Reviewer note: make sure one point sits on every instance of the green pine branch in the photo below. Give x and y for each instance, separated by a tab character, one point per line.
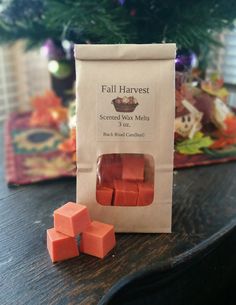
191	24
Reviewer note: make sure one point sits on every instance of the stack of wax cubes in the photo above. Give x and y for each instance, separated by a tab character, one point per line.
123	180
72	220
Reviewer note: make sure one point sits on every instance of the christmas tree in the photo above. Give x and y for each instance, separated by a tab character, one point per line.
191	24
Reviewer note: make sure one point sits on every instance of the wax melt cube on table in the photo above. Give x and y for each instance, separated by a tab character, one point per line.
133	167
98	239
71	219
145	193
104	195
126	193
109	168
61	246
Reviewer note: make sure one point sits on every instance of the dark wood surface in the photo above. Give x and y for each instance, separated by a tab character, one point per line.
143	268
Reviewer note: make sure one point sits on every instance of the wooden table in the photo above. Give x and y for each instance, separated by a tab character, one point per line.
196	264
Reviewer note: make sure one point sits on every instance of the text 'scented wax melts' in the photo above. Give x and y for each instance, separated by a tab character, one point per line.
125	133
60	246
71	219
98	239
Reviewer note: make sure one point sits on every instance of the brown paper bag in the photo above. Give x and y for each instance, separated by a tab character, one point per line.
125	134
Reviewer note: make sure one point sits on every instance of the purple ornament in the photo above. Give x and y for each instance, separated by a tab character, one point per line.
52	51
185	60
121	2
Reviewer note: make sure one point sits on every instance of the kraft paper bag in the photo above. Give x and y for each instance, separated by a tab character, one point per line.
125	134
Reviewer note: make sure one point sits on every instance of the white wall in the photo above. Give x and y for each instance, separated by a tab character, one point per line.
22	75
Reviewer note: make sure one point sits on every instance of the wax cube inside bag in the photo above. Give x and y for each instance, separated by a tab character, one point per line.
126	193
133	167
104	195
145	193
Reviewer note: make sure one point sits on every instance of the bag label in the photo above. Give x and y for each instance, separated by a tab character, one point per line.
125	112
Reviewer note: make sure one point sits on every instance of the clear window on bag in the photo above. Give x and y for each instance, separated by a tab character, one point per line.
125	180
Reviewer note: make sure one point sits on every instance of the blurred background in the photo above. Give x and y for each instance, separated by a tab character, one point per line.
37	76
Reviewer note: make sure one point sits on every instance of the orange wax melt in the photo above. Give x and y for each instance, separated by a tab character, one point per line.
126	193
110	168
104	195
98	239
71	219
60	246
145	193
133	167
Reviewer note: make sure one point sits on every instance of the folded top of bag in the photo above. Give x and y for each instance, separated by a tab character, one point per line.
125	51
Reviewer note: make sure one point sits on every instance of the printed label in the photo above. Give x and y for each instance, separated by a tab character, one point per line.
125	112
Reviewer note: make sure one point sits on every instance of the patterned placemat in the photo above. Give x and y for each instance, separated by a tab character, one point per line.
32	154
206	158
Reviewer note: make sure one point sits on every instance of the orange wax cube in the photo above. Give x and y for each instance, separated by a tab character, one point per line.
104	195
126	193
60	246
145	193
109	168
133	167
98	239
71	219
